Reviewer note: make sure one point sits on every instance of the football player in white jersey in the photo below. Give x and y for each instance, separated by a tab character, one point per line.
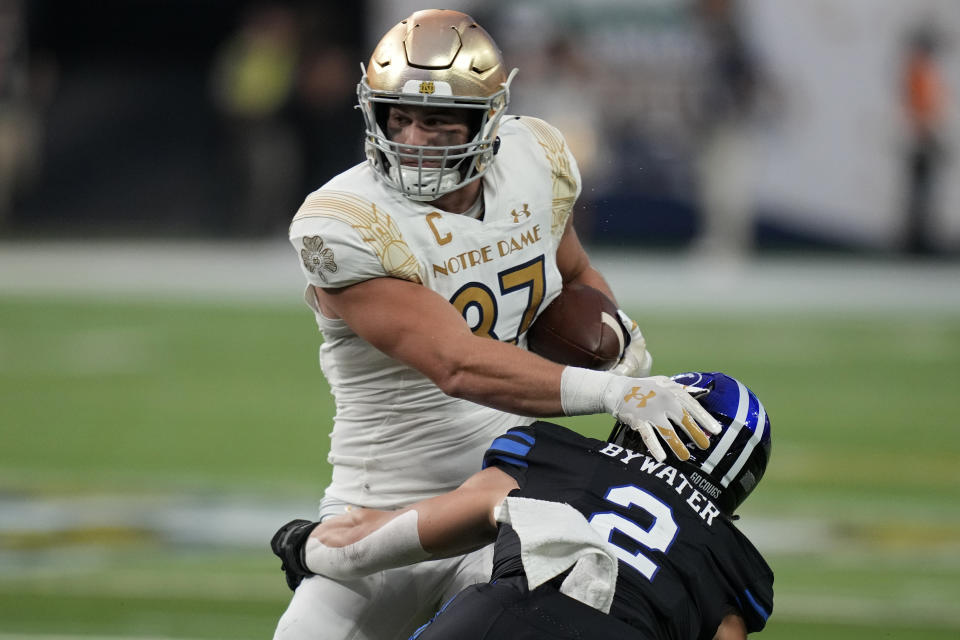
425	267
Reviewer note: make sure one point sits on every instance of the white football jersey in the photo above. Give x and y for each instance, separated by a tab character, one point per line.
396	437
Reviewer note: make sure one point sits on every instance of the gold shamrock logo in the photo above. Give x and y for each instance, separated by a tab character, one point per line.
317	258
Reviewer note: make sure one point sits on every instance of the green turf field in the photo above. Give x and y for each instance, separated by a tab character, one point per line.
152	404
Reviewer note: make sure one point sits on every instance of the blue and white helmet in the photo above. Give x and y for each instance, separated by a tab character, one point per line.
730	468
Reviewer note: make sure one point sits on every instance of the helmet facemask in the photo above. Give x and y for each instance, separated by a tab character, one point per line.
440	59
407	167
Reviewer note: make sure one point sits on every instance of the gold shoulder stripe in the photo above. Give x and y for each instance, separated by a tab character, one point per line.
564	184
547	135
375	227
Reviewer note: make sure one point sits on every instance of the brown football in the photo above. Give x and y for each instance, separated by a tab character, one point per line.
579	328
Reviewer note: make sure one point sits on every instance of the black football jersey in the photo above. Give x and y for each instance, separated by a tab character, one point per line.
683	564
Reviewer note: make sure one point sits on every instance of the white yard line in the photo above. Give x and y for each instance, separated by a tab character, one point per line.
245	523
267	271
242	522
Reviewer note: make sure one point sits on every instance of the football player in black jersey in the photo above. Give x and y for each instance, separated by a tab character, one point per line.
594	539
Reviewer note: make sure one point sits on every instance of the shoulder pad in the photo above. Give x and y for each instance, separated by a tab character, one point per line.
343	239
563	168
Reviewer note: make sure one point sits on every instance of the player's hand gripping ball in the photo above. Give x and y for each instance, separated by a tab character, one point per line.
579	328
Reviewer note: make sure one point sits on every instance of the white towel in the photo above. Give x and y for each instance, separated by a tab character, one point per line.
553	537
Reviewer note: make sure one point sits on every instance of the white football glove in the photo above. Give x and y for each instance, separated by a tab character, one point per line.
654	405
636	361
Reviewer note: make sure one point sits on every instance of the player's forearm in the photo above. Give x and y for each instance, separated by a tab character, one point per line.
394	542
462	520
418	327
365	541
504	377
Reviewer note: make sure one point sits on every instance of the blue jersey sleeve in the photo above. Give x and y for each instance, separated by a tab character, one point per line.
756	607
510	451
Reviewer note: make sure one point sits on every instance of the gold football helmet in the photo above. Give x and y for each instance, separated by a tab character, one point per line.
439	58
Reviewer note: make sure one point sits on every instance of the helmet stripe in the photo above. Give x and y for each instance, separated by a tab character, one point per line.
731	432
748	448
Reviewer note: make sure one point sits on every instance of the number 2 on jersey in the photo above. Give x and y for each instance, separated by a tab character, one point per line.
529	276
658	537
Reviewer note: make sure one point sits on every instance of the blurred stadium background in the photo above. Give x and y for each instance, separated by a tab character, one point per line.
792	165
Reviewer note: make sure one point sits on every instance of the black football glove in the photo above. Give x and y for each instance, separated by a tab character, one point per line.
287	544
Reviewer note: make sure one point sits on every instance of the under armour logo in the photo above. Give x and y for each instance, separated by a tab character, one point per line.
525	210
636	395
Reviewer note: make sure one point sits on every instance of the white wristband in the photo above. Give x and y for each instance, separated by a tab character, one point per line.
395	544
582	391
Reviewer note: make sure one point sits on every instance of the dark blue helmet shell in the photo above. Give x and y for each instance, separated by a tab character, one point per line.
729	469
